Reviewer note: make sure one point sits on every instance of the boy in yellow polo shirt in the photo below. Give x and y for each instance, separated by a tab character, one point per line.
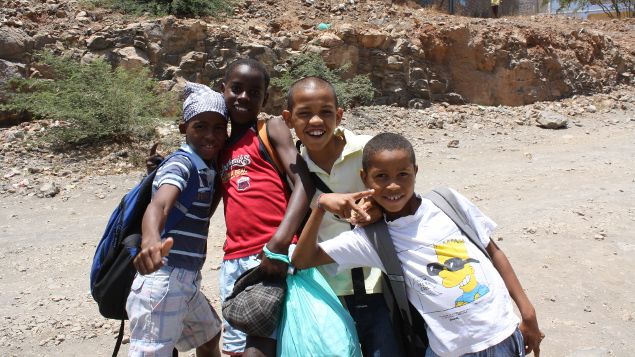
334	156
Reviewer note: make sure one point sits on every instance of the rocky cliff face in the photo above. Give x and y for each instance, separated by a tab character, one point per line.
413	56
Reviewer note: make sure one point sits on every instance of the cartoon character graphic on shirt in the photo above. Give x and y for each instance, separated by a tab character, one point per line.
237	168
455	270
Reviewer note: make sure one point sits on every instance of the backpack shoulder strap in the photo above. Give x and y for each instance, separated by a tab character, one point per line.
379	236
263	137
319	184
447	202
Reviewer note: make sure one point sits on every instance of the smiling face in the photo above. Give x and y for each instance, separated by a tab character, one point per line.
391	173
314	115
456	268
245	94
206	133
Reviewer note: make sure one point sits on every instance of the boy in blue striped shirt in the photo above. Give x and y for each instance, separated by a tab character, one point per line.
166	308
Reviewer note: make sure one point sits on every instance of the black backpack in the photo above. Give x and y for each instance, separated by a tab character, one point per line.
406	320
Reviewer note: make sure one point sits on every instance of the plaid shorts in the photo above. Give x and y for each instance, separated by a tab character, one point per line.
230	270
166	310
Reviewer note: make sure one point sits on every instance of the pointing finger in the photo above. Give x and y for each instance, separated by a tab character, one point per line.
363	194
153	149
360	211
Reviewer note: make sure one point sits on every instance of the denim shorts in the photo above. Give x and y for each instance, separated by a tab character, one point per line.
230	270
512	346
166	310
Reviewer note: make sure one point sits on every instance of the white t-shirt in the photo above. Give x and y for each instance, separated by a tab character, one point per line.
452	284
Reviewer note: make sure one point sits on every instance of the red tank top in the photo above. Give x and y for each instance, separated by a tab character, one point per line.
254	197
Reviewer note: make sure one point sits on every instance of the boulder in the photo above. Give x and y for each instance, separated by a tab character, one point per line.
132	58
551	120
328	40
193	61
14	43
98	42
372	39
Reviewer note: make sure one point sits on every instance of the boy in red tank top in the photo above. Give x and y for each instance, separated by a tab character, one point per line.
259	210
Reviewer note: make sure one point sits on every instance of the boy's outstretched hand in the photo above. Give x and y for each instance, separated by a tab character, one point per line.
154	159
531	334
344	204
150	258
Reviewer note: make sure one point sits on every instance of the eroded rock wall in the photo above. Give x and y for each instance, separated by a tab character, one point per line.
481	61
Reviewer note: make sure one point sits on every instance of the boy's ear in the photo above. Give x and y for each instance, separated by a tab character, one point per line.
364	176
182	127
338	116
222	87
286	115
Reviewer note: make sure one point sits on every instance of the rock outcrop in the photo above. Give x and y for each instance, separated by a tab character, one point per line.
422	58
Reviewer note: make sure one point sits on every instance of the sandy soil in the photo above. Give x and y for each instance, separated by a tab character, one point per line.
563	199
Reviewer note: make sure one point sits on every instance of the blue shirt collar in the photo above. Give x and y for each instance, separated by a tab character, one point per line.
198	162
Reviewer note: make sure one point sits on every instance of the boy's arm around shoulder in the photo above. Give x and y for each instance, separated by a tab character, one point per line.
307	253
153	250
529	324
303	189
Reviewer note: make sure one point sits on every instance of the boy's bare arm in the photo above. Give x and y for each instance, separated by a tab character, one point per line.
308	253
153	250
529	324
303	190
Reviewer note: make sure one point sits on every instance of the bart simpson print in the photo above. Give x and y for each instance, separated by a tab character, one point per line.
455	269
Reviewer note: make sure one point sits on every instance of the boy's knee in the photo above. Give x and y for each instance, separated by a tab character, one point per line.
209	348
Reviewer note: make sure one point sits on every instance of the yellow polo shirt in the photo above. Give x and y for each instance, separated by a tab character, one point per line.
344	177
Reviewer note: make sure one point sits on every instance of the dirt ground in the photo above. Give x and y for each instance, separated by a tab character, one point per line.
563	199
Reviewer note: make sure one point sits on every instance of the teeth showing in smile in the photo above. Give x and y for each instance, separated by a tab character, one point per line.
316	132
465	281
393	198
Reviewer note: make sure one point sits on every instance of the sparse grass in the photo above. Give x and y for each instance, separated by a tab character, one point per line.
355	91
93	103
182	8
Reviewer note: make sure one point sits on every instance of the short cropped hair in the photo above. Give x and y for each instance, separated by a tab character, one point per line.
386	142
317	81
251	63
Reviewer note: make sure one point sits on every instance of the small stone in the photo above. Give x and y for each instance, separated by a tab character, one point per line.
453	144
49	189
551	120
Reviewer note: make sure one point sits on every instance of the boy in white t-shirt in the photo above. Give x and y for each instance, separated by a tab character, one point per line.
464	298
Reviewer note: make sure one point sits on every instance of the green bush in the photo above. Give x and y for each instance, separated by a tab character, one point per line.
354	91
94	103
183	8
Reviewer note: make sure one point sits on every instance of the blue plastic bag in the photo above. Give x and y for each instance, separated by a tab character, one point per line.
314	322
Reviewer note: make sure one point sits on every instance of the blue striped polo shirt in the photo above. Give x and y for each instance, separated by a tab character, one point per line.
190	234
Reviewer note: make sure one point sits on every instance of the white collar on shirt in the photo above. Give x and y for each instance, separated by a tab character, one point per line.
198	162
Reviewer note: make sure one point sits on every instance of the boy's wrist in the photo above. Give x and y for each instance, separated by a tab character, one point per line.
318	205
527	313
